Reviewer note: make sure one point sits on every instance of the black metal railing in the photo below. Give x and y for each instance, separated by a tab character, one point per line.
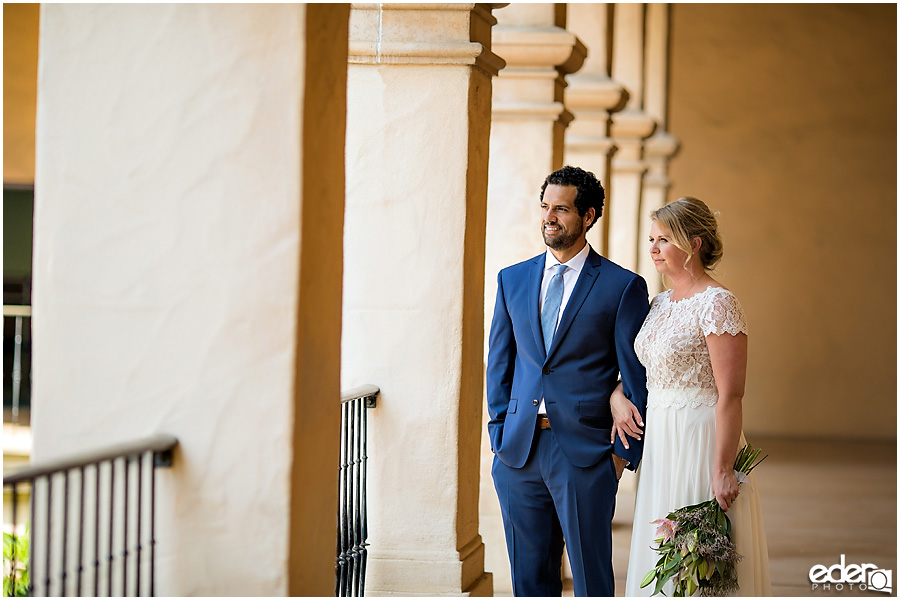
104	542
350	566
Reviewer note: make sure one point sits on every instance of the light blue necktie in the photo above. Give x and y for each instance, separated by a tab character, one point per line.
550	312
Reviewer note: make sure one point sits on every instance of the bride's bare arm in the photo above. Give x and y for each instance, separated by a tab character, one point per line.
728	355
626	417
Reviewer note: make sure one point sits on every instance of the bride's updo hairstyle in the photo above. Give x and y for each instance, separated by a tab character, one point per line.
687	218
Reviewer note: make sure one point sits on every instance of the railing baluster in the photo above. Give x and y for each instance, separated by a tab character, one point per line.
360	490
15	549
112	504
348	494
80	534
364	527
32	572
97	531
152	525
65	535
357	474
125	462
17	370
48	578
137	583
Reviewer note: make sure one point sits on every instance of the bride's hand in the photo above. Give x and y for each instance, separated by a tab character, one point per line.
725	488
626	417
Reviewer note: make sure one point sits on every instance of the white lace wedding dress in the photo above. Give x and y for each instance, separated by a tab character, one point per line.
680	434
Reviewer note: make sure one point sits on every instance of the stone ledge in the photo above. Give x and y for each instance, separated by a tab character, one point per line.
586	92
661	144
539	47
634	124
549	111
431	53
16	440
434	573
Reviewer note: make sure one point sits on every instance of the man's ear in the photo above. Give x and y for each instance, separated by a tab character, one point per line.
593	216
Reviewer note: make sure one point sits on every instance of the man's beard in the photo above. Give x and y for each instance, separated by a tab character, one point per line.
564	239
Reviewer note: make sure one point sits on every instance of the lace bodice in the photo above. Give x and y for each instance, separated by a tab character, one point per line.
672	345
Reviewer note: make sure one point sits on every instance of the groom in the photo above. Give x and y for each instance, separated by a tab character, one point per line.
563	330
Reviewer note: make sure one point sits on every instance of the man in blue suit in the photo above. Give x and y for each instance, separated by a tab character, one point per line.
562	333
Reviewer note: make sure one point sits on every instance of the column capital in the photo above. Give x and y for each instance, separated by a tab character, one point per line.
539	47
592	92
659	181
661	144
537	57
425	34
634	124
658	149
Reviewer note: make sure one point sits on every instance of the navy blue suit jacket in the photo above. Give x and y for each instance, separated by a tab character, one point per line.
593	343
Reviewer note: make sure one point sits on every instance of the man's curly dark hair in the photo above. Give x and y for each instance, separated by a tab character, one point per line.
590	192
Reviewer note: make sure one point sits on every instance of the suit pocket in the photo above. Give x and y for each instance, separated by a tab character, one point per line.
586	408
595	414
513	404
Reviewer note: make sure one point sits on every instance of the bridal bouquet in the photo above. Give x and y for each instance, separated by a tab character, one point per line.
695	546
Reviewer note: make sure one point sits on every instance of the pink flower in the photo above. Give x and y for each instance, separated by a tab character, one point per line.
666	529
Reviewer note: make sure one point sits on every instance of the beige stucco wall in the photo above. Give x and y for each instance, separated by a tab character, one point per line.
20	57
181	283
787	117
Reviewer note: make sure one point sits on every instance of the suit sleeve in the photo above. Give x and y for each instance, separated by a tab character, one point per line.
500	367
633	309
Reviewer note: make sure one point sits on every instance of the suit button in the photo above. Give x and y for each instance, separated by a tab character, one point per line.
535	402
546	370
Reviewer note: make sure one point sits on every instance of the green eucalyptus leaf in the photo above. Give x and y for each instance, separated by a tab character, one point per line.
659	586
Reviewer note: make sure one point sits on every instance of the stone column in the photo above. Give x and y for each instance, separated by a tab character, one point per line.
591	96
419	102
527	133
661	146
20	41
527	143
629	128
187	274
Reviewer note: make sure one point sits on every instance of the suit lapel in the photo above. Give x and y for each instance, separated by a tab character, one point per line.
535	278
586	280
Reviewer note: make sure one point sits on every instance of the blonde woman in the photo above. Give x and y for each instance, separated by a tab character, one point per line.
693	345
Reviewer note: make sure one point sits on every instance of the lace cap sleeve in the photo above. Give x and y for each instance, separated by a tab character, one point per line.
722	313
658	298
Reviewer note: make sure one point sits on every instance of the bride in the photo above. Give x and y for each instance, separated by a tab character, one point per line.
693	345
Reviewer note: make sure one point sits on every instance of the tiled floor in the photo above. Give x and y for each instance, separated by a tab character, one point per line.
821	500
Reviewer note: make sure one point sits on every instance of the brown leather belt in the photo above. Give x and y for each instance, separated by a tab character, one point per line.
543	422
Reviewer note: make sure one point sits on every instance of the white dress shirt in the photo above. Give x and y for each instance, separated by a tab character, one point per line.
570	277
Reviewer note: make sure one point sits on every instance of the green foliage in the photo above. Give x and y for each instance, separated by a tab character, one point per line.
695	546
15	564
744	461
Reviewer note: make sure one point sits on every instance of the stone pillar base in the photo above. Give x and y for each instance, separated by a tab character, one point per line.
430	573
